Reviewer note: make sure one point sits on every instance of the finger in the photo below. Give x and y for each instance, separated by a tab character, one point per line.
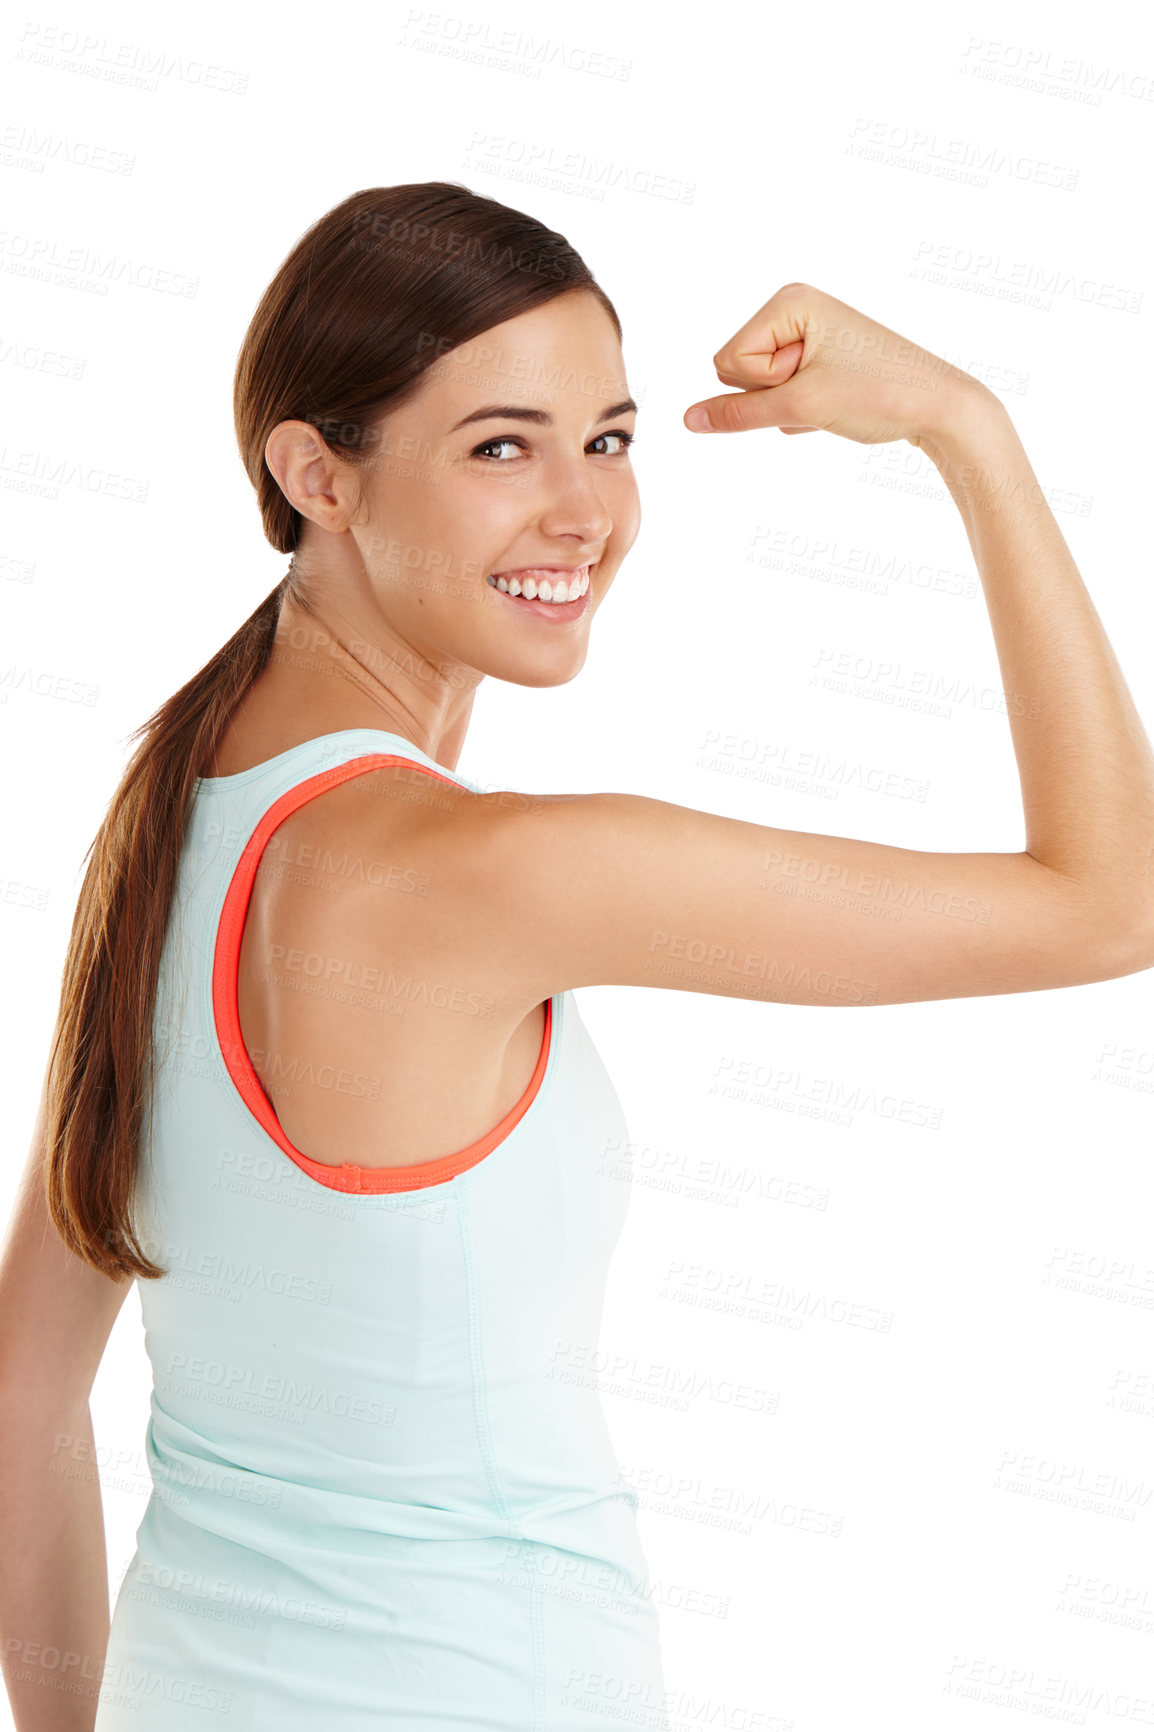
755	369
789	405
777	369
780	323
736	413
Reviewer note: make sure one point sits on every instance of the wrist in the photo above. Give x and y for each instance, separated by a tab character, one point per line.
970	428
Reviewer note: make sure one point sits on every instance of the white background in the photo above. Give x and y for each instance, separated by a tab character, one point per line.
846	1525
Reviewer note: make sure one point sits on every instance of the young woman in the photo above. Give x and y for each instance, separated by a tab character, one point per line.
319	1082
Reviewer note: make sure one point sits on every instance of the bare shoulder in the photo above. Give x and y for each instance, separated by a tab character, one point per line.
358	876
564	891
365	959
387	829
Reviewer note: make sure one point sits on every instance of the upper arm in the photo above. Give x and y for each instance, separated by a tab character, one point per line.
621	889
56	1310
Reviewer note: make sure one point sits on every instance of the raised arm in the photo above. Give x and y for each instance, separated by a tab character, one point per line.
617	889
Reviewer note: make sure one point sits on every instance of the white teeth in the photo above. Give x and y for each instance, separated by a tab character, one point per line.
558	591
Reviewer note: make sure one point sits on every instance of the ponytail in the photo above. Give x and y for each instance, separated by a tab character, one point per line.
99	1097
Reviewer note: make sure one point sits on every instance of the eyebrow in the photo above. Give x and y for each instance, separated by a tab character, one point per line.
541	417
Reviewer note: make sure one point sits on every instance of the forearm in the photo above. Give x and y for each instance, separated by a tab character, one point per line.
1085	763
54	1614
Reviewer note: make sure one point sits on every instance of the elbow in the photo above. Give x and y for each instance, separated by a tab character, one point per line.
1139	938
1142	949
1111	952
1100	930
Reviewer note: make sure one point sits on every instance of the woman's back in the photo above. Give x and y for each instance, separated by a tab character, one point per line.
355	963
377	1497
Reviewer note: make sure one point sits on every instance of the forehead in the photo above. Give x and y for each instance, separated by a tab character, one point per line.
563	357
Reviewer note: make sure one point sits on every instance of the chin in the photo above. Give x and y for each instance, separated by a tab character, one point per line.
540	671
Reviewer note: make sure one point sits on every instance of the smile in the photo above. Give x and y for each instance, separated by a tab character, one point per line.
545	591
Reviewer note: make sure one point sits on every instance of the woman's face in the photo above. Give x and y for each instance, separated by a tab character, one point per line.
511	457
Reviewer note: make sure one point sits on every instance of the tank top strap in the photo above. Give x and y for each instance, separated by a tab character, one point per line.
233	822
316	756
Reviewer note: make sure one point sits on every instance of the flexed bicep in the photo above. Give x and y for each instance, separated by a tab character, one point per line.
621	889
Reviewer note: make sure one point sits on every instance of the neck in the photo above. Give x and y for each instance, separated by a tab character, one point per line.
322	663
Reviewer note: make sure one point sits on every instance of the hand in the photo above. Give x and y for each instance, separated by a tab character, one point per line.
807	362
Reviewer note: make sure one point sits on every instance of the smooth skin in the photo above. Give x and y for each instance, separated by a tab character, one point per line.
532	896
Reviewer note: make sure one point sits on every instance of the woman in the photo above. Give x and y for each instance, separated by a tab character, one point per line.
322	983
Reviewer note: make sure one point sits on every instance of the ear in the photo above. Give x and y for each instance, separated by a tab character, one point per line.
314	479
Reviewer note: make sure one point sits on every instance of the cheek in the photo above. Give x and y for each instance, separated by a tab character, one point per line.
418	526
467	528
627	519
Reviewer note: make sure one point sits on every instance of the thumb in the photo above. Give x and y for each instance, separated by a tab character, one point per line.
759	374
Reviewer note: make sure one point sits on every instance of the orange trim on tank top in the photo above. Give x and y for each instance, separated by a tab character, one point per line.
226	1010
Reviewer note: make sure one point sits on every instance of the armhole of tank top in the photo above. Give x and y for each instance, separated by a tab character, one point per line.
225	1010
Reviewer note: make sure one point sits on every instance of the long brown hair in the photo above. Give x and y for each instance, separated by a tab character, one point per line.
368	299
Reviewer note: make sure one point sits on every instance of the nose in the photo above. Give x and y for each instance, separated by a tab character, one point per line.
577	505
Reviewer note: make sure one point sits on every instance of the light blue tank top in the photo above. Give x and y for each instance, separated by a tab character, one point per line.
381	1497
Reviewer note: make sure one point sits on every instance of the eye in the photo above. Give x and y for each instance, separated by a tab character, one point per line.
618	433
483	450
